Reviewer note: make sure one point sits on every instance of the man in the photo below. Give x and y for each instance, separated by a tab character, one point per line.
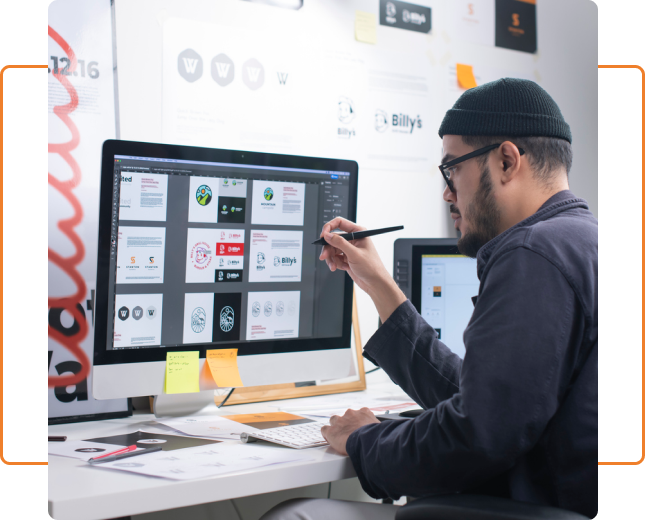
517	417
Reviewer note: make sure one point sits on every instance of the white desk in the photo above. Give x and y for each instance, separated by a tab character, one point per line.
79	491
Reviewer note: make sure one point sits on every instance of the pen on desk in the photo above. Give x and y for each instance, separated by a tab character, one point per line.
127	449
123	455
57	438
356	235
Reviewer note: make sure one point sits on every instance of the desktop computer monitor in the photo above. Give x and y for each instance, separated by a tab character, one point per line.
440	283
203	249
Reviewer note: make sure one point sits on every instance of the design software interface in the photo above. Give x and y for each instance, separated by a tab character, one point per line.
448	282
206	253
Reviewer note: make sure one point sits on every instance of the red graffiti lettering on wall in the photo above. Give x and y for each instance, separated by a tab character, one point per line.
68	264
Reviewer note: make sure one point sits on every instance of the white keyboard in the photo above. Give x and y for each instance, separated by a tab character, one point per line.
298	436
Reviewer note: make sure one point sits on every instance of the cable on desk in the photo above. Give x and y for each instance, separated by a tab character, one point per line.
226	398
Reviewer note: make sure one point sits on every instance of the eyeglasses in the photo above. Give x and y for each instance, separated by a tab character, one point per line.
447	168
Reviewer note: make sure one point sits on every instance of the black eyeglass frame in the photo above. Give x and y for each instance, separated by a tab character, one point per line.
475	153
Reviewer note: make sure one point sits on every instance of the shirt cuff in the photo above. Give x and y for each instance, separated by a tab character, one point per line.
385	332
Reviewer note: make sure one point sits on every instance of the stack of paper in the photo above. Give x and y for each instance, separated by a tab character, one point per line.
339	404
206	461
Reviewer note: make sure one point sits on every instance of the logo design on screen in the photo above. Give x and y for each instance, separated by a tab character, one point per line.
279	308
255	310
226	319
268	194
201	255
151	312
198	320
291	308
137	313
285	261
124	313
268	309
261	258
204	195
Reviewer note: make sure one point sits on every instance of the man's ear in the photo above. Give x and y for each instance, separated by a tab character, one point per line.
509	160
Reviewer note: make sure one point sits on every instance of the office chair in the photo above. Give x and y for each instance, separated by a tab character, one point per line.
480	507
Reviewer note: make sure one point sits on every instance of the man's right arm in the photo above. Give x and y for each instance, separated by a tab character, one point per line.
412	347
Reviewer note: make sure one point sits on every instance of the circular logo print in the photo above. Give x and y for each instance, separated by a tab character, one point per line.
345	110
151	441
204	195
123	313
234	183
279	308
129	465
225	181
276	261
226	319
90	450
291	308
390	9
201	255
256	309
261	258
268	308
198	320
151	312
137	313
380	121
268	194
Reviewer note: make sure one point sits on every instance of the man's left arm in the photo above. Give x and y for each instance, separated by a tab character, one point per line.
517	365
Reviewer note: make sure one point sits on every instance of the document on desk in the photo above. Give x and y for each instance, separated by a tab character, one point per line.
230	427
206	461
83	450
339	404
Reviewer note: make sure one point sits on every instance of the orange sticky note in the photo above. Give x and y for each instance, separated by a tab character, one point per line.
466	76
223	367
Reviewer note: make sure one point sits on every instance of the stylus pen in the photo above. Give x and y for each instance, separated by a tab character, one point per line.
356	235
124	455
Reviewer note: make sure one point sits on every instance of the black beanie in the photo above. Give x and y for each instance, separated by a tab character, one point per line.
506	107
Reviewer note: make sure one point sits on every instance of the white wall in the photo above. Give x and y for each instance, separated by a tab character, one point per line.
565	65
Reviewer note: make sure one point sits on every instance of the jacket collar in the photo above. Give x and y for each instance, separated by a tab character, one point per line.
561	201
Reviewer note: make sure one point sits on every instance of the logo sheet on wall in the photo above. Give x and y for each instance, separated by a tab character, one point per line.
237	89
473	21
81	117
358	102
515	25
404	15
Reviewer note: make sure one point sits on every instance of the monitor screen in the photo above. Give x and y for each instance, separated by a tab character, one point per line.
218	254
444	284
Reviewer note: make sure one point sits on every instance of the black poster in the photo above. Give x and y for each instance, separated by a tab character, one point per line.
515	25
148	440
404	15
227	312
231	210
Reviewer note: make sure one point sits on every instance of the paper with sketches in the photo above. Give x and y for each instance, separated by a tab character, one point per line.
206	461
82	450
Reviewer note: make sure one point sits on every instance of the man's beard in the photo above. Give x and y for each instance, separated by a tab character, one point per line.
484	217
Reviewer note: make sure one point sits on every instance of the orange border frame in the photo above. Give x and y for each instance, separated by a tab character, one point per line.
636	463
2	267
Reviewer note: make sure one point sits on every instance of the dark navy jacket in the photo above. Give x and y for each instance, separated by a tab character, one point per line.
519	416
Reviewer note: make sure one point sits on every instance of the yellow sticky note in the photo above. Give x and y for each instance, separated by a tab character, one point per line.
365	27
182	372
223	365
466	76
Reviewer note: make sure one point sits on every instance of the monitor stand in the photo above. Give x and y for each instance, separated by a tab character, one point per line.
177	405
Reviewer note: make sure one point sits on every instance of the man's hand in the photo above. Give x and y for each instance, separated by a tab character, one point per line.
340	428
361	261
